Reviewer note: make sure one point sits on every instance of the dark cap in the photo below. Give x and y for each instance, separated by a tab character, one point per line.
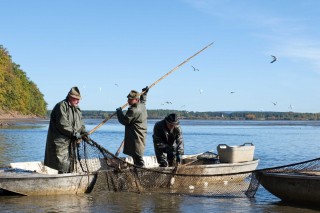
133	94
172	119
75	93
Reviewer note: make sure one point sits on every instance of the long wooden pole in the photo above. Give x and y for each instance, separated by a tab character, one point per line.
152	85
120	148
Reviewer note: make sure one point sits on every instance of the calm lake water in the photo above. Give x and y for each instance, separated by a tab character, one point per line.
276	143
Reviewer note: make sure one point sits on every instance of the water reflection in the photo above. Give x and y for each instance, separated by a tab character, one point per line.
133	202
144	202
61	203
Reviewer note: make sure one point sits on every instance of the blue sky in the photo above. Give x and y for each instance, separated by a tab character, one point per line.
107	48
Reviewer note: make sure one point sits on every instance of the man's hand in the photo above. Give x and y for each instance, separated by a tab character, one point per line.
119	109
178	159
162	145
145	90
85	136
76	135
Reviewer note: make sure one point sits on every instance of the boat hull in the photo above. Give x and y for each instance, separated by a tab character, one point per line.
32	182
212	173
22	183
296	188
217	178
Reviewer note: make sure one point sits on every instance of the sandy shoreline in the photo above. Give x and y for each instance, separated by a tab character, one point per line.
12	118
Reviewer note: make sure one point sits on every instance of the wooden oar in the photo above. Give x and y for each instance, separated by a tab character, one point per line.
171	71
119	149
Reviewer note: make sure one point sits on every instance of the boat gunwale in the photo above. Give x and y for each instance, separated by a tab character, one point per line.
284	175
28	174
34	175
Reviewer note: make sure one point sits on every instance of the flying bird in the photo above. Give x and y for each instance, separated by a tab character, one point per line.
232	92
274	58
274	103
201	91
116	85
195	69
168	102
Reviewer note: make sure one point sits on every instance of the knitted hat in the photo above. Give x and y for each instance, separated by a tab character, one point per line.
75	93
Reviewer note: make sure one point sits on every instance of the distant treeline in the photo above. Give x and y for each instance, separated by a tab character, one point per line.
17	92
190	115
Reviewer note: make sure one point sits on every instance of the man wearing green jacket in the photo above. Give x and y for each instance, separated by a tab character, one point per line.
168	141
65	129
135	122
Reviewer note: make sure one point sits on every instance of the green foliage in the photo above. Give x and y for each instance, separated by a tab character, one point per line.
17	92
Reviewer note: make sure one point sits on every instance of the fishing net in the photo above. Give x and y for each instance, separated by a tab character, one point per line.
306	168
198	175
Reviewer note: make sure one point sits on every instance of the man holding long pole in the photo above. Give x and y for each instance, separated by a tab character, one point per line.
153	84
149	87
135	122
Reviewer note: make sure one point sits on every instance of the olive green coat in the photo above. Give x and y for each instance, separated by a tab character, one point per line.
64	121
135	122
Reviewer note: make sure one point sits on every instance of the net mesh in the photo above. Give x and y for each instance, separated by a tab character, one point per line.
199	175
306	168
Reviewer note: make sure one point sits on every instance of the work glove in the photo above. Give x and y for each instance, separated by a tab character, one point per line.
178	159
119	109
76	135
85	136
145	90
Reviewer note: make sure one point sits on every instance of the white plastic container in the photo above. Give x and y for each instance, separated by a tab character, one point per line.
235	154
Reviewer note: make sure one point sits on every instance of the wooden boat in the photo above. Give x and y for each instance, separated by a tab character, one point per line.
33	178
301	188
197	171
24	182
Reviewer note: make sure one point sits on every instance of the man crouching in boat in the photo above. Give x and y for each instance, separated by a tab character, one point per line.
167	138
65	128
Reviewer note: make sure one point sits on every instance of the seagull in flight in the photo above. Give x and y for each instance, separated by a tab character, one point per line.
232	92
195	69
116	85
273	58
168	102
274	103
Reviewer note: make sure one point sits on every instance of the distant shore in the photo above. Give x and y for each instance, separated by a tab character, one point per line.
10	118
